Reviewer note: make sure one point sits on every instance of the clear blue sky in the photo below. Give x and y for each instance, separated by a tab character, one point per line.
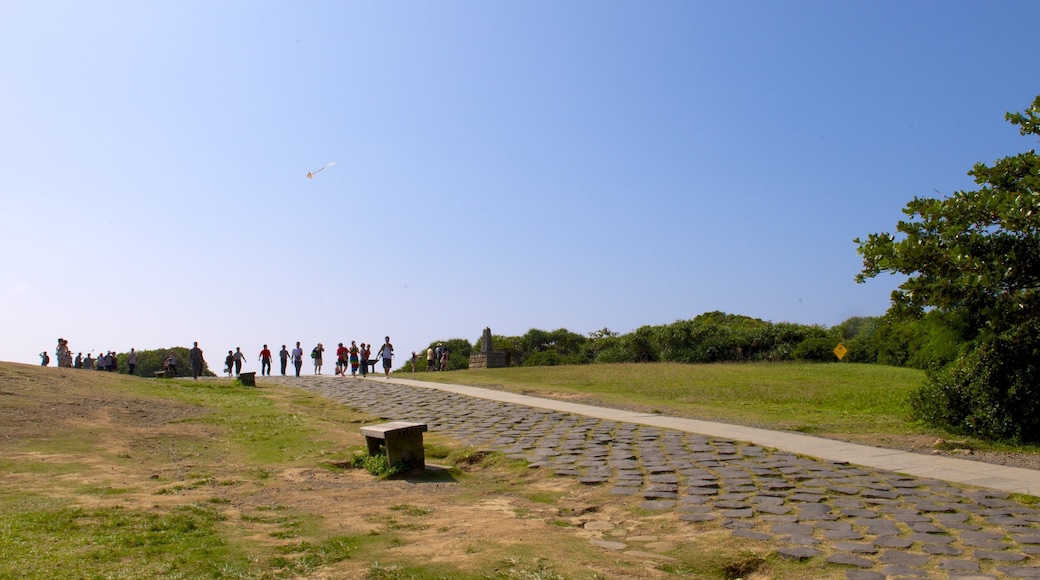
518	165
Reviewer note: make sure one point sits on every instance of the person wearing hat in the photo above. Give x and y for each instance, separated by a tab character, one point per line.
316	355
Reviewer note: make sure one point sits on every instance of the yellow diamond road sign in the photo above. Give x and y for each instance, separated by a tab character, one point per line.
840	350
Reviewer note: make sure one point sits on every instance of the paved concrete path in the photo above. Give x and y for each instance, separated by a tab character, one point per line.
881	513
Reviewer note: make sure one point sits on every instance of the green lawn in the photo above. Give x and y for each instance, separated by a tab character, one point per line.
832	398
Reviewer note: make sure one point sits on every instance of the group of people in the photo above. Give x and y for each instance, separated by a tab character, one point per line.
104	362
359	358
436	358
355	358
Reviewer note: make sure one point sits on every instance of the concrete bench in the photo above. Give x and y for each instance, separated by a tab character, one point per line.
164	374
403	442
247	379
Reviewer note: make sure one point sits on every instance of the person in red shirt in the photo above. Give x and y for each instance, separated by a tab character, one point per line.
265	361
341	360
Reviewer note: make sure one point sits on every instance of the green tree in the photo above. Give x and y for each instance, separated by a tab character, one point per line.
974	257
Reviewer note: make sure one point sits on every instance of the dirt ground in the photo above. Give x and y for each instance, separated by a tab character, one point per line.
145	452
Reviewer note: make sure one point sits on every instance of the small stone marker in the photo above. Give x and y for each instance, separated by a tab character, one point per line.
487	357
247	379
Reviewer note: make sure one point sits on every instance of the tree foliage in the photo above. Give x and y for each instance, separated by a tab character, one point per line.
150	361
972	262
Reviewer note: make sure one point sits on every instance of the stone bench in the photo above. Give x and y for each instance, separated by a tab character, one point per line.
163	374
247	379
403	442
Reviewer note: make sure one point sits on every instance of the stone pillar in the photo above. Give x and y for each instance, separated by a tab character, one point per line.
487	358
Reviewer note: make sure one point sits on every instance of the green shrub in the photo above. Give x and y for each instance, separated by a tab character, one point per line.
377	464
543	359
817	349
991	391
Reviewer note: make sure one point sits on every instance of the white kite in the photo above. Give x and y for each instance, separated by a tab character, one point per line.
311	174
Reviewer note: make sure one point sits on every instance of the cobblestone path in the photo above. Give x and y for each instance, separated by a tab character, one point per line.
880	524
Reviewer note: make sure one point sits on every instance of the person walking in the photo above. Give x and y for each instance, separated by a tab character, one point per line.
363	352
341	360
354	352
196	360
317	355
240	358
283	356
265	361
229	362
297	358
386	352
429	360
131	360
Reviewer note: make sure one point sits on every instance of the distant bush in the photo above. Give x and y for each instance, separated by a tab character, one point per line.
816	349
151	361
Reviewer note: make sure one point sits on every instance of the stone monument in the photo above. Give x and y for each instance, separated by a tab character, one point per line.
487	357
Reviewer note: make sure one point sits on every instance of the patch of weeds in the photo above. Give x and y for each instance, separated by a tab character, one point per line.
562	524
172	490
106	491
539	569
107	542
391	523
219	500
805	428
377	465
472	456
411	510
546	497
436	450
261	473
379	571
1027	500
742	567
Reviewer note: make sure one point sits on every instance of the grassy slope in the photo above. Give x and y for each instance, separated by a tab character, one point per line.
832	398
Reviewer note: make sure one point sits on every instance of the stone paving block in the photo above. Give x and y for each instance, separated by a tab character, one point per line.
816	511
857	574
842	535
897	571
941	550
902	558
798	552
802	540
931	538
792	529
807	497
774	509
999	556
892	542
855	547
850	560
950	564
